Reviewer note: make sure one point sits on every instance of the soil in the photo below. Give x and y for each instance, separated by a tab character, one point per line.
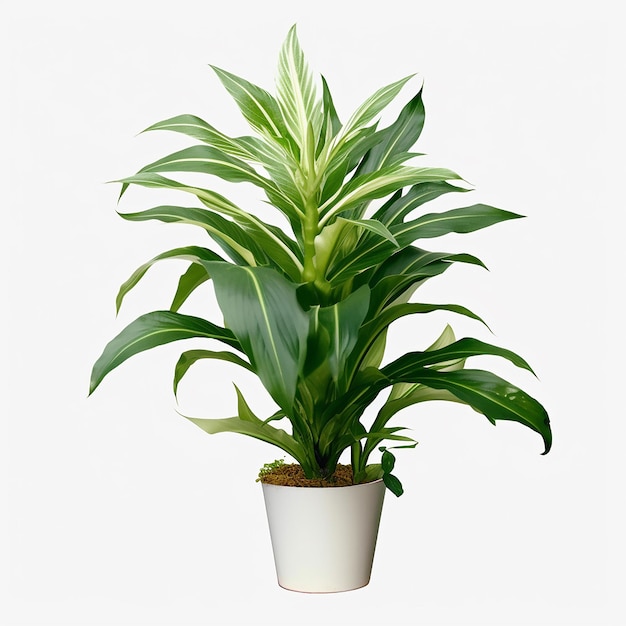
291	475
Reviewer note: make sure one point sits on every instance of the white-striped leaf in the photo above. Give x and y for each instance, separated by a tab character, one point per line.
296	91
372	107
209	160
195	127
257	106
277	246
381	183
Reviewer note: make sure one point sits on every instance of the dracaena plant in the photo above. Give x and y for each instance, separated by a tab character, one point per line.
307	307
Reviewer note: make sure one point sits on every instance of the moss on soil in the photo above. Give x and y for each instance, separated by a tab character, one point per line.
291	475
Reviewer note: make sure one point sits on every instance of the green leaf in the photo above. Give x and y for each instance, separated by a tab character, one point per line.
411	259
397	208
387	461
393	484
404	272
373	226
296	91
396	139
189	253
343	321
246	423
262	310
331	124
485	392
195	276
461	349
154	329
373	329
187	359
464	220
403	395
402	390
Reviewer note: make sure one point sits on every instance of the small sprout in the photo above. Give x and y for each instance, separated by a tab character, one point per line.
269	467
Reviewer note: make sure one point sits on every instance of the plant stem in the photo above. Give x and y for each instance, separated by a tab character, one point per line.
355	459
310	230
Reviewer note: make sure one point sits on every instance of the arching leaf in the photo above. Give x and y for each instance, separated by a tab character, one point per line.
151	330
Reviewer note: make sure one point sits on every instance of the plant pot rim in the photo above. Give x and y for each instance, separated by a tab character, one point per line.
371	482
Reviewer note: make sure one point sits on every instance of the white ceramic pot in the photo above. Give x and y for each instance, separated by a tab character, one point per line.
324	537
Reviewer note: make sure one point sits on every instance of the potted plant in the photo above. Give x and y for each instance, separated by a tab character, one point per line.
307	307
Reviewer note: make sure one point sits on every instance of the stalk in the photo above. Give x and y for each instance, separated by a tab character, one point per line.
310	230
311	210
311	221
355	458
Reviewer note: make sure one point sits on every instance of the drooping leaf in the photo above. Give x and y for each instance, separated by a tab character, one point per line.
373	226
195	127
188	358
387	461
209	160
216	202
253	241
485	392
195	276
246	423
188	253
461	349
240	246
154	329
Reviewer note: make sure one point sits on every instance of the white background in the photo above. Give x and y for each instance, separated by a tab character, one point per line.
120	512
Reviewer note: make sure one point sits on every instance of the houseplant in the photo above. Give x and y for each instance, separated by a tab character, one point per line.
307	307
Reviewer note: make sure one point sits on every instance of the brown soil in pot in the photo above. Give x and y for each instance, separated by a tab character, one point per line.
291	475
